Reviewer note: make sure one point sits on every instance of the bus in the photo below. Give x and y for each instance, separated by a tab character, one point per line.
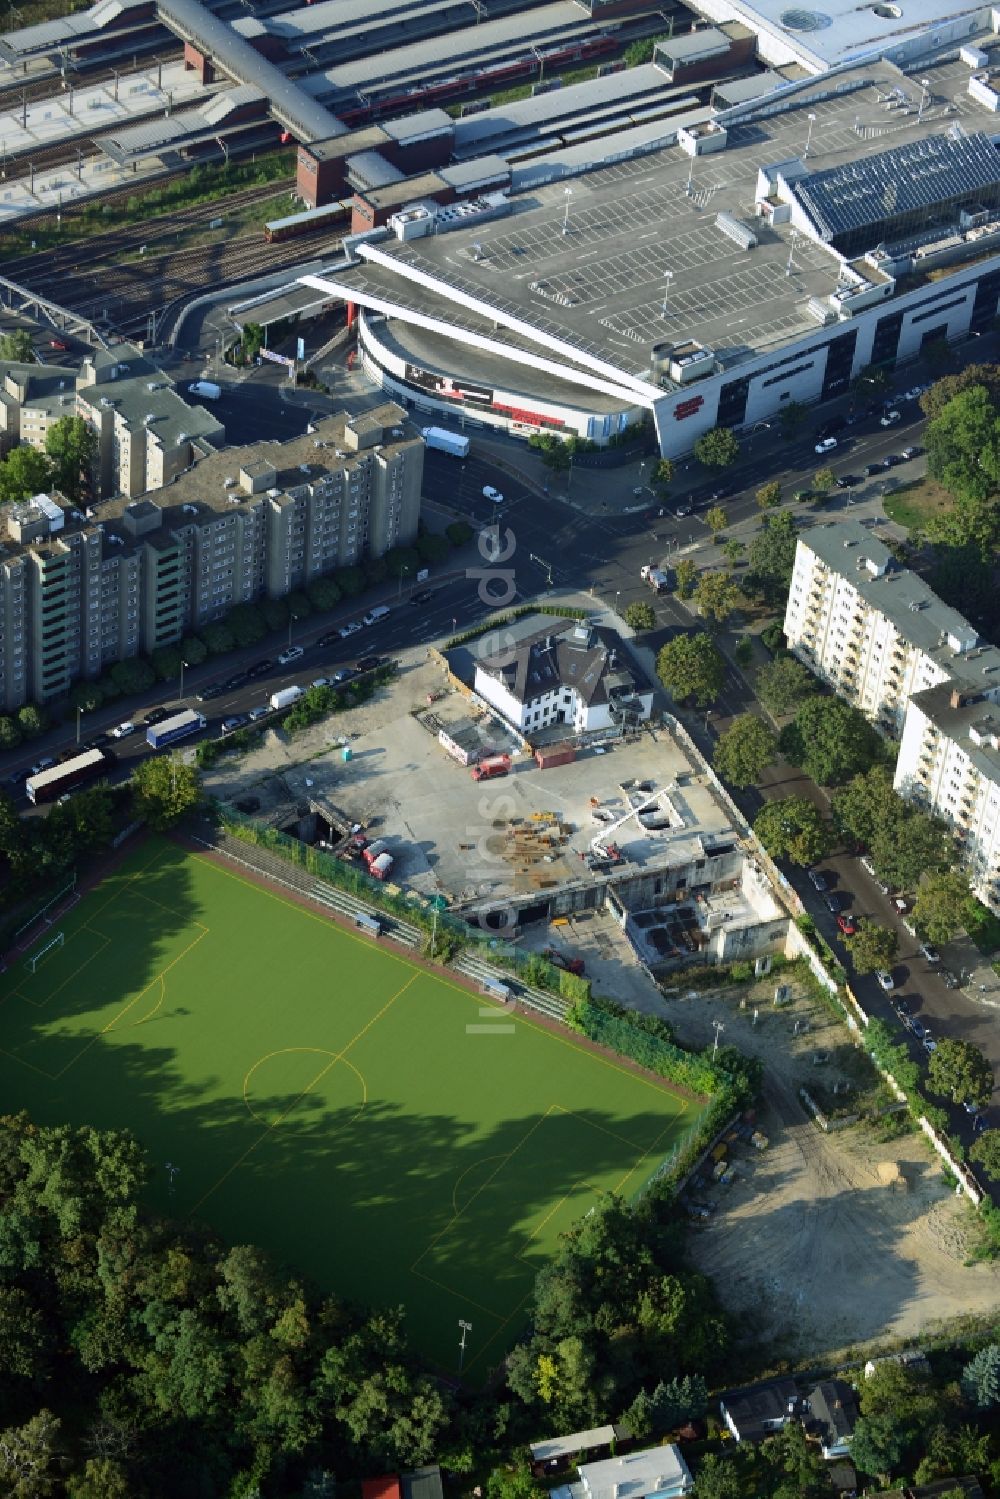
49	785
159	735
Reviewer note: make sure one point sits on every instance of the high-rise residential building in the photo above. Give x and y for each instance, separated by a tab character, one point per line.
917	669
147	433
243	524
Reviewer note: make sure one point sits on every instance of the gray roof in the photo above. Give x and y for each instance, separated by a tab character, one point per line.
481	170
558	104
755	1410
919	616
740	90
693	45
289	103
562	653
832	1404
372	170
917	176
955	723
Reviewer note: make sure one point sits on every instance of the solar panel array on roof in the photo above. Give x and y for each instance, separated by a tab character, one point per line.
920	175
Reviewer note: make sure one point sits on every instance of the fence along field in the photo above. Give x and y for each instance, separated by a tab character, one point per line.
318	1093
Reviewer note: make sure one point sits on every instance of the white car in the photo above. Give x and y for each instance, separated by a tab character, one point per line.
490	493
346	631
291	654
886	980
890	419
123	730
321	682
827	445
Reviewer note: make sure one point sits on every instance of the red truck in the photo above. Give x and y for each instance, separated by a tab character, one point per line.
493	765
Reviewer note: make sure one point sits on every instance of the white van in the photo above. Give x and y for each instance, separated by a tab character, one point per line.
381	612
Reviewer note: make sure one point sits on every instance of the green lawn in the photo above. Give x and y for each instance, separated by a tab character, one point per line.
913	505
321	1095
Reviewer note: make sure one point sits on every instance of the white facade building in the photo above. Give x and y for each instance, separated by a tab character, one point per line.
916	668
659	1471
562	671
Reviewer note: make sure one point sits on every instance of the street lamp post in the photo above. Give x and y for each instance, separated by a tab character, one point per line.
925	84
183	664
569	193
466	1329
809	136
79	715
668	276
291	620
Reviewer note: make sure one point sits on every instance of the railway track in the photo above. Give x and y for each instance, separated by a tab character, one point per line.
46	270
126	296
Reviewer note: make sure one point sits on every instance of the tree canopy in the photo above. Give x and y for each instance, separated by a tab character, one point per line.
872	947
717	595
690	666
782	684
961	1072
718	448
830	740
771	556
23	473
71	445
745	750
793	829
942	904
165	789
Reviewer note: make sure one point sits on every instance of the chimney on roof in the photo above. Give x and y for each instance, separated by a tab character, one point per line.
956	699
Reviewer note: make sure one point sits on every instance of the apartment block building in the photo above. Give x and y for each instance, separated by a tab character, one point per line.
147	432
917	669
244	524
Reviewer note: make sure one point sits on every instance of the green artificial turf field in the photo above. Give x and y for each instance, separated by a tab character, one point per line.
390	1133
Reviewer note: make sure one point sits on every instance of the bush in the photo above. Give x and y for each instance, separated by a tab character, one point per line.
376	571
87	696
350	581
744	651
246	624
218	638
166	662
298	605
275	612
323	594
133	676
109	689
459	532
773	637
10	733
432	549
405	560
193	650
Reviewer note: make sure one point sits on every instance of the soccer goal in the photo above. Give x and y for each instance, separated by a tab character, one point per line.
56	941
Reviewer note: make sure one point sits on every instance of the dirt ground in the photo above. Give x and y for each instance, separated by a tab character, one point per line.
806	1242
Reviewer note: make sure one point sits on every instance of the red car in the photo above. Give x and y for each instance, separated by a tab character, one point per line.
847	924
57	343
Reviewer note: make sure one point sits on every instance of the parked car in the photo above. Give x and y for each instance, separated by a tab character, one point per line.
347	630
290	654
344	674
58	344
917	1028
369	663
123	730
845	481
260	712
157	715
847	924
911	452
949	979
818	879
827	445
321	682
206	694
832	903
872	469
236	681
828	429
422	597
885	980
890	419
929	1044
891	460
45	763
901	1007
930	952
235	721
489	493
682	510
259	669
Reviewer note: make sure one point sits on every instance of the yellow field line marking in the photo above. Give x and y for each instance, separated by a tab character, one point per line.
470	1363
650	1149
309	1087
481	1162
459	1295
30	1065
306	1050
507	1158
161	976
591	1124
439	976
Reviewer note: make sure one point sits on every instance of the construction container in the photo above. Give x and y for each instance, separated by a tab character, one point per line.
555	754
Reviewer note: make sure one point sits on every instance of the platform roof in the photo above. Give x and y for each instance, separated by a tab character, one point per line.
296	109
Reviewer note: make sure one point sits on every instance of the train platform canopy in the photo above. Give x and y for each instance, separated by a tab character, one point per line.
289	103
330	21
489	42
52	37
188	127
275	306
736	91
525	119
409	130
